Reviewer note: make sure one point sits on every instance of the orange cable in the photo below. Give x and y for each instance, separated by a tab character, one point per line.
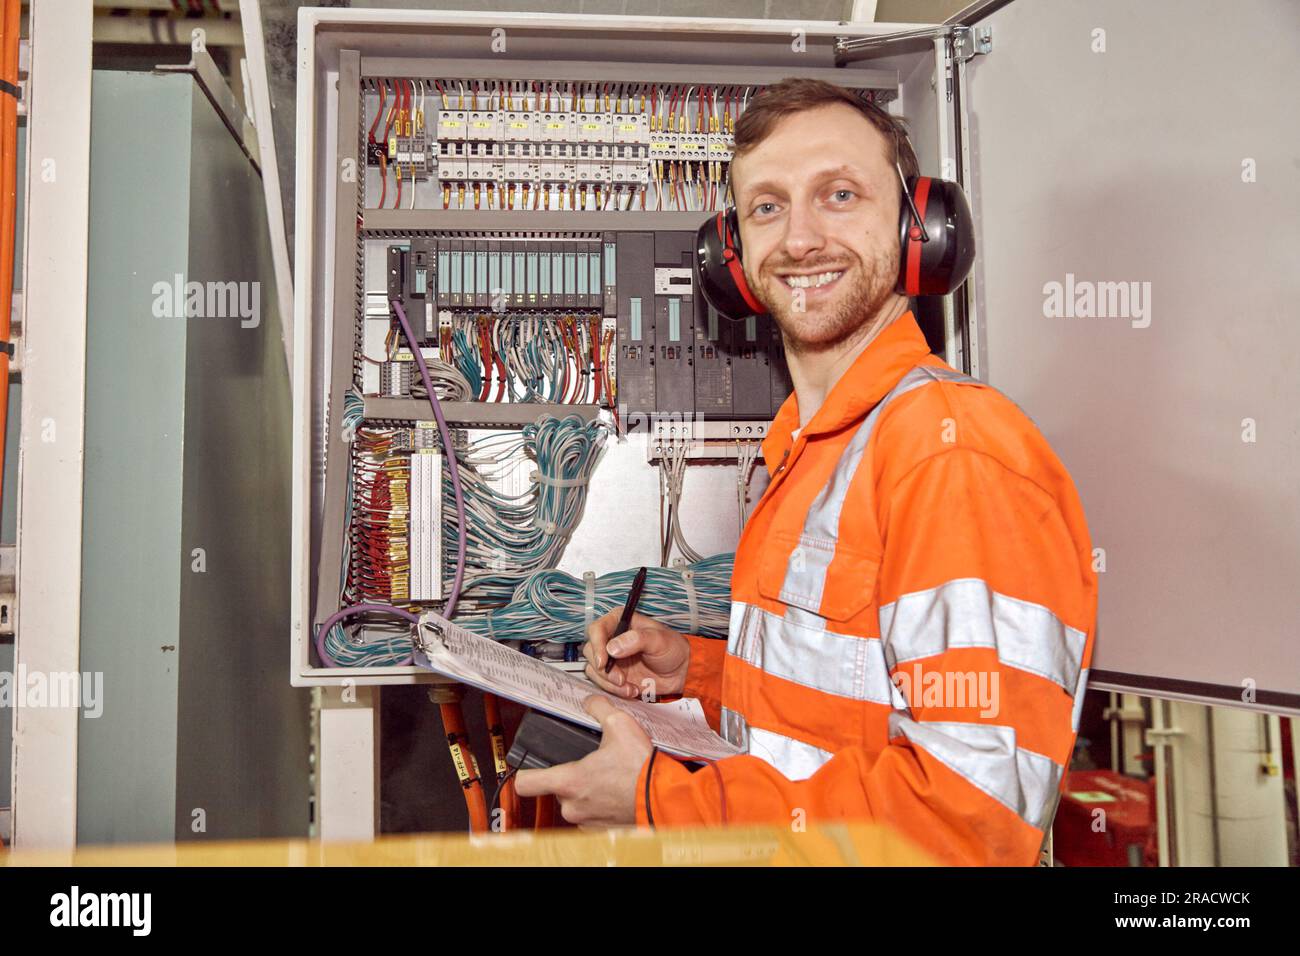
9	31
462	756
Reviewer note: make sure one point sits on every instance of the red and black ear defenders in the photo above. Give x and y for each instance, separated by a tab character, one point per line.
936	236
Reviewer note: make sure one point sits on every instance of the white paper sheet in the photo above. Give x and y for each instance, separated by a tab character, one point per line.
447	648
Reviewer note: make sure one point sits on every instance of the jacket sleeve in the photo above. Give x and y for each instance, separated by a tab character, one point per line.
984	591
704	676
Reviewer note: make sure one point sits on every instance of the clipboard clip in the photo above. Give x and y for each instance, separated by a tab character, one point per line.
436	635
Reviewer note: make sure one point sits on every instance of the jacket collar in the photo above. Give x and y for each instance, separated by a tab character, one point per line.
897	349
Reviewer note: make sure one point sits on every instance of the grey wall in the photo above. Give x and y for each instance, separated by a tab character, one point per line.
135	406
1127	166
186	447
242	739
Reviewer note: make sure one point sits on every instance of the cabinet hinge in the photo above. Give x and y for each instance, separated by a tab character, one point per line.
970	42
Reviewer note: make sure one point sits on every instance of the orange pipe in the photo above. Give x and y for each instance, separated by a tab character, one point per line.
492	714
453	722
509	799
545	812
9	30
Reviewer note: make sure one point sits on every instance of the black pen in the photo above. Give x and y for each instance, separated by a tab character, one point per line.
633	598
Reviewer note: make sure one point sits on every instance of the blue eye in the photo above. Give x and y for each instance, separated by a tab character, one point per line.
847	194
759	209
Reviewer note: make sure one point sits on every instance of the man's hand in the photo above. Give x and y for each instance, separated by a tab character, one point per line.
599	789
650	660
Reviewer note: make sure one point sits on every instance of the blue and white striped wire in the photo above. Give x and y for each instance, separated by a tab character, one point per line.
551	605
513	535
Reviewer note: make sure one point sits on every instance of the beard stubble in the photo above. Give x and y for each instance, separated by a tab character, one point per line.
830	326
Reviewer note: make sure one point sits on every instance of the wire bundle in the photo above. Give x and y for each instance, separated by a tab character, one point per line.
746	455
377	562
513	535
451	382
672	476
551	605
510	535
405	118
532	357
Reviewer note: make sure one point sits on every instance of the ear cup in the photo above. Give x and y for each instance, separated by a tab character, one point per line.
939	265
719	274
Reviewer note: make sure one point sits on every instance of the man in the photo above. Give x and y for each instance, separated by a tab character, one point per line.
913	597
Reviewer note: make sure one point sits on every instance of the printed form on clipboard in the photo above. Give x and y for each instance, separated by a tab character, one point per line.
446	648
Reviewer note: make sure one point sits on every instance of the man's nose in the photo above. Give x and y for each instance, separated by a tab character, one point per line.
804	233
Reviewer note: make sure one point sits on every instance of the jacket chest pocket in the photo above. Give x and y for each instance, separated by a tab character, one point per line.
826	639
833	581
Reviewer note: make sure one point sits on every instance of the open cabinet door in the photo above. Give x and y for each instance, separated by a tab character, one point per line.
1135	174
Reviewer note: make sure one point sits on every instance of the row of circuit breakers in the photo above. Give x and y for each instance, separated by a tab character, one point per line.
559	145
675	354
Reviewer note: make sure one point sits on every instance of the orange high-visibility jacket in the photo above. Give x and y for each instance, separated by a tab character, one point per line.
913	608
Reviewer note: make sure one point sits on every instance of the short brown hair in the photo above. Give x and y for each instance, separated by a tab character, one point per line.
795	94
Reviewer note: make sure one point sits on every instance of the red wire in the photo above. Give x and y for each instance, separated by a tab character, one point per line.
610	396
501	376
407	100
388	124
485	347
597	369
568	359
500	361
575	352
383	98
579	363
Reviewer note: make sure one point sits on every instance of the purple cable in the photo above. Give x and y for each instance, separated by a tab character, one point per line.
346	612
462	528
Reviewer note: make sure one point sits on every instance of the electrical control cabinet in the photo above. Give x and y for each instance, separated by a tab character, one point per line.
514	225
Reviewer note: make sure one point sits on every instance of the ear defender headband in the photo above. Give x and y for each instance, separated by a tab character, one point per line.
936	247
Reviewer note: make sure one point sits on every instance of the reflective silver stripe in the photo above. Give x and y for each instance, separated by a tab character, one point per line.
987	756
795	759
734	728
736	626
805	574
967	613
798	648
1078	700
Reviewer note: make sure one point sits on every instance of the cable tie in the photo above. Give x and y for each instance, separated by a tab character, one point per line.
544	479
7	347
547	526
15	91
688	582
589	606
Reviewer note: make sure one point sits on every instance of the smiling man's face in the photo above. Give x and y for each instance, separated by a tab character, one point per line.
818	206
